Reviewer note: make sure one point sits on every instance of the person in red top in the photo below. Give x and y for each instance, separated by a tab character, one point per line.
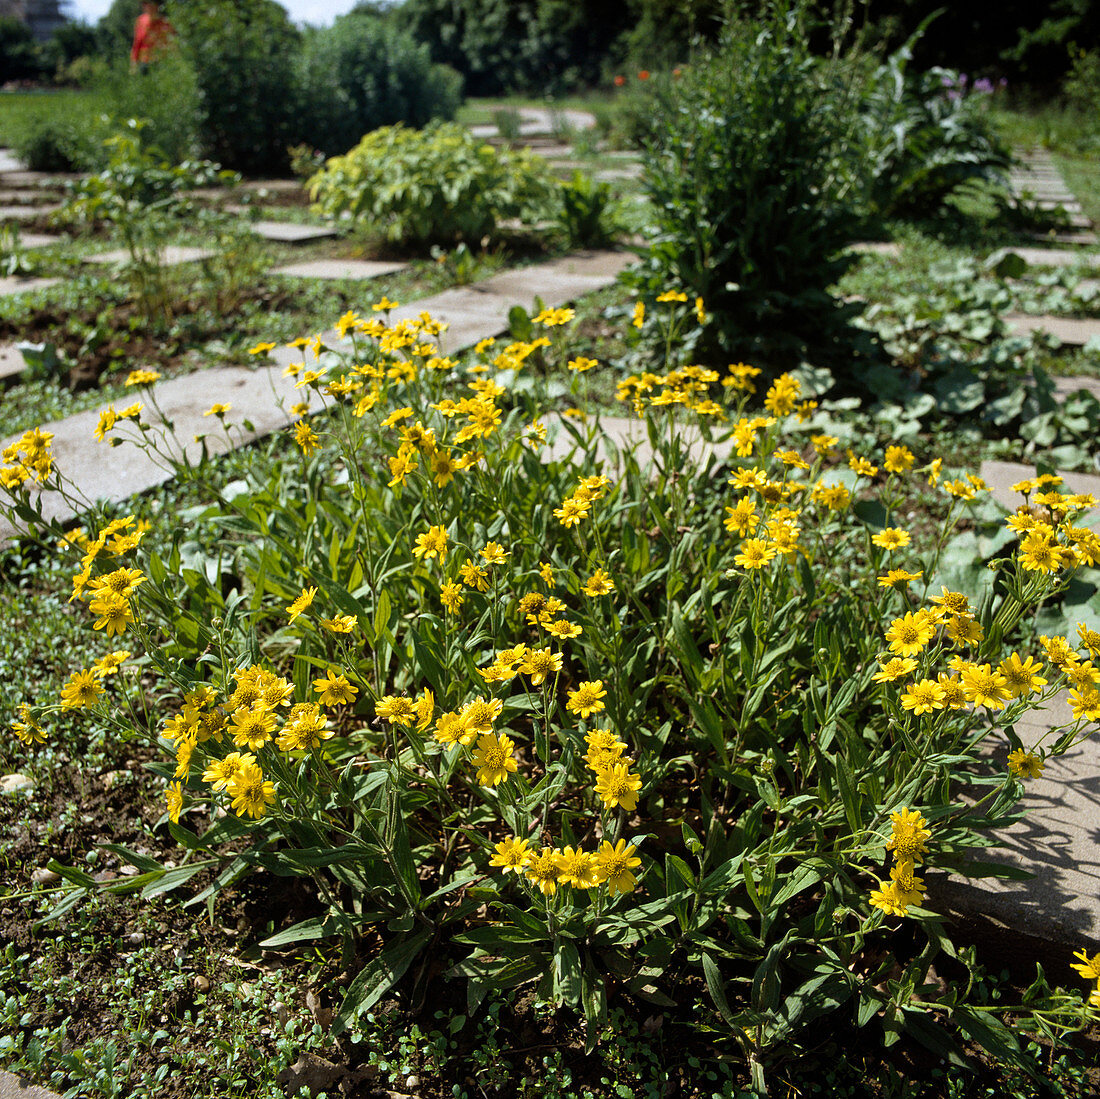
152	33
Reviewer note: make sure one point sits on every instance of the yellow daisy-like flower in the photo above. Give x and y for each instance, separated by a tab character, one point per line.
174	798
614	866
335	689
923	697
142	377
81	690
493	758
1089	967
494	553
1025	764
577	868
450	595
587	699
539	664
264	347
306	438
599	583
432	543
618	788
887	898
891	538
639	314
1021	676
899	459
984	687
218	410
542	870
302	603
908	635
898	578
341	623
895	668
754	553
511	855
109	665
909	836
580	364
250	792
563	630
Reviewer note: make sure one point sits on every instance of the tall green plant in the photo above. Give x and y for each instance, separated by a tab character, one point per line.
243	55
748	213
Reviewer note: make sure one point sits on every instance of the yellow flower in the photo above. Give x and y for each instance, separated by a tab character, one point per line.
264	348
783	395
895	668
639	314
898	578
563	630
113	611
451	729
218	410
494	553
479	715
221	771
552	318
450	595
891	538
1021	676
334	689
923	697
251	793
614	865
1090	969
577	868
984	687
306	438
110	664
587	699
384	305
617	787
599	583
142	377
511	855
301	603
539	664
26	728
1025	764
754	553
432	543
908	635
542	870
81	690
174	799
860	466
107	419
398	710
888	899
493	758
580	364
899	459
341	623
909	835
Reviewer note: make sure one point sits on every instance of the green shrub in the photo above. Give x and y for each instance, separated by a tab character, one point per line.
741	175
20	57
364	72
243	55
921	136
587	212
436	185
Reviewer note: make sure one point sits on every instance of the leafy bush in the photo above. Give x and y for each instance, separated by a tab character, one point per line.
567	724
438	184
20	57
366	71
587	213
922	137
741	174
243	55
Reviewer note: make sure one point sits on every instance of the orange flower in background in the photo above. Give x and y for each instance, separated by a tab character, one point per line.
620	81
644	74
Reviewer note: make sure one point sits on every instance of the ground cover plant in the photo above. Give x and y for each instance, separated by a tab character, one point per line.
526	721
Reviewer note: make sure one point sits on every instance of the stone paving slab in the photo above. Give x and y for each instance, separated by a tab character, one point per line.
1056	842
274	186
875	248
1070	330
1084	237
22	212
340	269
1001	476
13	284
101	471
1065	387
1050	257
18	1087
9	162
33	179
37	240
288	232
11	361
25	197
172	257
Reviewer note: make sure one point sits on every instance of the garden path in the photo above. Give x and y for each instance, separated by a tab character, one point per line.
18	1087
262	395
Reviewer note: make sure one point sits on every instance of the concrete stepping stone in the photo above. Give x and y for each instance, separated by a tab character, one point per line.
33	179
1084	237
1055	842
340	269
287	232
14	284
18	1087
23	212
1069	330
26	197
1050	257
37	240
12	363
115	473
273	186
9	162
875	248
1066	386
1001	476
173	256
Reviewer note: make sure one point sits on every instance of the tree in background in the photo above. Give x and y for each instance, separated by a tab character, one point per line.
19	56
243	56
367	71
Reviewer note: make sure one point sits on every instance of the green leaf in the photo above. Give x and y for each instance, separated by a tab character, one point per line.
318	927
714	987
377	977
